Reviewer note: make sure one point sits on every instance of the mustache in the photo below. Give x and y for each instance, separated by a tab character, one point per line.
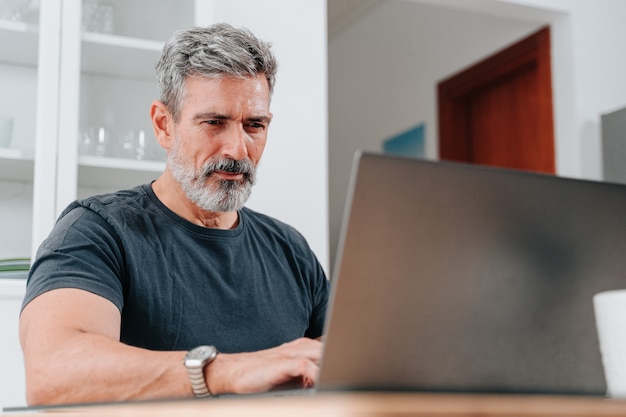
244	166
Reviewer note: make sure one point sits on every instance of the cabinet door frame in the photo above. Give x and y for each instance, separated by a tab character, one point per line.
70	75
47	121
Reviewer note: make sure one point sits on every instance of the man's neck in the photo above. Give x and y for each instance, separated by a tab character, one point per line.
169	192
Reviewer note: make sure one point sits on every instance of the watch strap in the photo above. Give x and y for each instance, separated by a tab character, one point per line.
198	382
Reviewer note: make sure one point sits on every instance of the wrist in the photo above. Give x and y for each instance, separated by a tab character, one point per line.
196	361
215	375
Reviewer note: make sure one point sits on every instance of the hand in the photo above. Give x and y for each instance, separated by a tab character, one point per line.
293	364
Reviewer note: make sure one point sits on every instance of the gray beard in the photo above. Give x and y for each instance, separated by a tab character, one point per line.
218	196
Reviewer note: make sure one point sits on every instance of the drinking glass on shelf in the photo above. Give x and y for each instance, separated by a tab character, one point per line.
102	141
85	142
95	141
13	9
98	16
133	145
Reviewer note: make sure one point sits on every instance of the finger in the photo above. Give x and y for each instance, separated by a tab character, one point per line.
309	374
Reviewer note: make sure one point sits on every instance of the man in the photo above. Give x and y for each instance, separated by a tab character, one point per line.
127	284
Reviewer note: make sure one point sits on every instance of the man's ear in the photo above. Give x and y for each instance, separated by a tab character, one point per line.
163	124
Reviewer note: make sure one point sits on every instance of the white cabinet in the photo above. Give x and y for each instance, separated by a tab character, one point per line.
58	80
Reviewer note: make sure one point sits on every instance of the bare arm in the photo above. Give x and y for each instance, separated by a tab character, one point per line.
72	354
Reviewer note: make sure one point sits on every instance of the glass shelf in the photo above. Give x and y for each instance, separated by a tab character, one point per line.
93	171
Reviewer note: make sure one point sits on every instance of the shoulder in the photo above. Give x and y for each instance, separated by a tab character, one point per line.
116	200
111	205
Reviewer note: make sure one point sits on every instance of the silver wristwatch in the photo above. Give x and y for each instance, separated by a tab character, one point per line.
195	361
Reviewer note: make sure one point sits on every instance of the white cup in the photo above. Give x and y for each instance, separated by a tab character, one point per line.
610	313
6	131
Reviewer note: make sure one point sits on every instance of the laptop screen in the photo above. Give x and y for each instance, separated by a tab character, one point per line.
453	277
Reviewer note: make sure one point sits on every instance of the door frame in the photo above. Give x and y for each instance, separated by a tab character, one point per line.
453	92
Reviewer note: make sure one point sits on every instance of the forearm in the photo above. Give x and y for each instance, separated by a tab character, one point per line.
72	354
93	368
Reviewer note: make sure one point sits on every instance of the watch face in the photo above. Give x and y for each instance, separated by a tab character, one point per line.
201	352
200	356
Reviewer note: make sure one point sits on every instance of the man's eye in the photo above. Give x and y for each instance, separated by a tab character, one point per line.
255	125
213	122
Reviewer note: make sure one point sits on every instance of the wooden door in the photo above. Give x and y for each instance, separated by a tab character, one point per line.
499	111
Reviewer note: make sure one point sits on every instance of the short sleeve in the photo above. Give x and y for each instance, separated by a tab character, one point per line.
81	252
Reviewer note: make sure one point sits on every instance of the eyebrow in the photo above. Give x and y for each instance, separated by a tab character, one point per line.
220	116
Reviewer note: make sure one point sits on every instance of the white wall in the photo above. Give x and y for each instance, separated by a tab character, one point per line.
383	72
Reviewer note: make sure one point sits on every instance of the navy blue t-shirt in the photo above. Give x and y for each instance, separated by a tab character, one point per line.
179	285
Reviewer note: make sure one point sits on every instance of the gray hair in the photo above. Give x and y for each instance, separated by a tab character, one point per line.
216	51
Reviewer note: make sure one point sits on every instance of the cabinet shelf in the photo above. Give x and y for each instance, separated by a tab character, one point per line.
119	56
92	171
116	173
19	43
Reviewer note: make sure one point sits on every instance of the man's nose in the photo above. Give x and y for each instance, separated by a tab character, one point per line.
234	143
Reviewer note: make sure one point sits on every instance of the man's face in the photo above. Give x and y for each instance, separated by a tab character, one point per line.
219	140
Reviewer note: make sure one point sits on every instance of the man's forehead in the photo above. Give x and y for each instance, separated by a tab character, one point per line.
226	95
218	80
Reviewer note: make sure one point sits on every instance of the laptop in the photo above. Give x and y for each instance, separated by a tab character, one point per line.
461	278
